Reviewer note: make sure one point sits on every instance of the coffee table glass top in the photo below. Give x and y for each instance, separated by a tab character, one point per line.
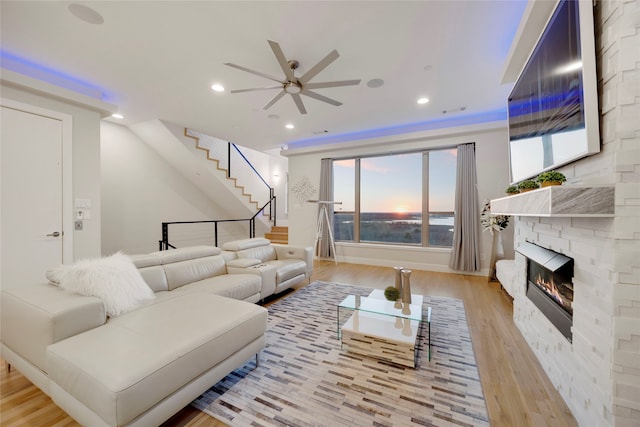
377	303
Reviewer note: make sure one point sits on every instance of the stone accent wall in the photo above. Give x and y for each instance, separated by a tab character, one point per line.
598	374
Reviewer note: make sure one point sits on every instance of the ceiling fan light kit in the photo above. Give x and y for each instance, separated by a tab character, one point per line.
296	86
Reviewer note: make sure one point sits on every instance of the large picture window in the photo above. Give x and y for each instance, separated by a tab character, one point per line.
385	198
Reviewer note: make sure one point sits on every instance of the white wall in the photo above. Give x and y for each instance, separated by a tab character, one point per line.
140	190
493	179
86	164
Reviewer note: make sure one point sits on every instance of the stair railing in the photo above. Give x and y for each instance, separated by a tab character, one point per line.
164	244
244	165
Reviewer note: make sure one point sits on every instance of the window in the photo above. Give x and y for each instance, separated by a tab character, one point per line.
385	198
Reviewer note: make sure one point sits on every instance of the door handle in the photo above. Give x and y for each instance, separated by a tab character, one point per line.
54	234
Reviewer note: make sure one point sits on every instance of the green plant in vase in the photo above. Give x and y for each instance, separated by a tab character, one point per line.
551	178
527	185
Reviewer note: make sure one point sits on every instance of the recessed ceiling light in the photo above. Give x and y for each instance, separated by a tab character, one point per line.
217	87
117	116
289	126
423	100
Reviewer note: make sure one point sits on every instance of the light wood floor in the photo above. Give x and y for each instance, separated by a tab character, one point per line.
516	389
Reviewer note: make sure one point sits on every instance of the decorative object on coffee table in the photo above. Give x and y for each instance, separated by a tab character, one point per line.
398	275
406	286
391	293
398	278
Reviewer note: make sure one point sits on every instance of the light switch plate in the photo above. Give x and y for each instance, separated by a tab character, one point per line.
83	203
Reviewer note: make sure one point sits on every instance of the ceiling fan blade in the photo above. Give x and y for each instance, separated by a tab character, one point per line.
255	88
282	60
332	84
320	97
298	101
324	63
274	99
257	73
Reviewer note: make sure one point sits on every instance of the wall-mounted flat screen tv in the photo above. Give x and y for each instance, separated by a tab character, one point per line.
553	107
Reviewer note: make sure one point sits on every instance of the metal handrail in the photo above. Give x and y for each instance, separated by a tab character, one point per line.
164	244
230	144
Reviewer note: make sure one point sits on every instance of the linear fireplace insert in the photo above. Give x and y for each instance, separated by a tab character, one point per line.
550	284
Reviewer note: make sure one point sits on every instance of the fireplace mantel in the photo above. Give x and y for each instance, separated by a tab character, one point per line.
559	201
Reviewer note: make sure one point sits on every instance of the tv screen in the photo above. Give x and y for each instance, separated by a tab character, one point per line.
553	107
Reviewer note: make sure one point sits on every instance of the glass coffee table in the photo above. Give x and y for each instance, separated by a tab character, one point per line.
387	330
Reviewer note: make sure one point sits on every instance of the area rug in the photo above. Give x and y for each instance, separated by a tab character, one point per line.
304	378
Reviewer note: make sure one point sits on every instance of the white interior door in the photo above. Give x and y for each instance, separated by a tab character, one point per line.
31	233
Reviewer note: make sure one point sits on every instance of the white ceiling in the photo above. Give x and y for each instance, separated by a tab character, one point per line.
158	59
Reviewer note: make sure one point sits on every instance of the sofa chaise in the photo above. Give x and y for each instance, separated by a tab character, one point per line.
141	366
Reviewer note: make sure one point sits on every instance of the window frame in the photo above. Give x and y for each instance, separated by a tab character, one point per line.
425	197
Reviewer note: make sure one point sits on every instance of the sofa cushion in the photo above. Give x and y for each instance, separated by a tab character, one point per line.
238	245
37	315
288	268
134	361
183	254
114	279
193	270
236	286
263	253
146	260
243	262
155	278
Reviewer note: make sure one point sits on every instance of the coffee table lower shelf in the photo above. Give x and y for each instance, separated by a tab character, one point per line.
381	337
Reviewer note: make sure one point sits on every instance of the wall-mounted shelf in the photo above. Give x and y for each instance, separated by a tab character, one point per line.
559	201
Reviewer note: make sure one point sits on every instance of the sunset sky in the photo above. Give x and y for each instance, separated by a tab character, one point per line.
393	183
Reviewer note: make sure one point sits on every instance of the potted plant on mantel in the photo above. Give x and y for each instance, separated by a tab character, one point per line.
527	185
511	190
551	178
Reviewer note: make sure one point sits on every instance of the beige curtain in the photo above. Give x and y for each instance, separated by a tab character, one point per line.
326	193
465	254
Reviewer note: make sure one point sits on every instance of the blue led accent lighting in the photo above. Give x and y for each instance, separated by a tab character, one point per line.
459	120
37	71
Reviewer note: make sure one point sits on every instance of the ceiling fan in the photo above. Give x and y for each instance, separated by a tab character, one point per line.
296	86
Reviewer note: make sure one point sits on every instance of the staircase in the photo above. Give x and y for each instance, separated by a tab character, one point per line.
278	234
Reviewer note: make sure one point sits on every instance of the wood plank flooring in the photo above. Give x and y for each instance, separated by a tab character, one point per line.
517	391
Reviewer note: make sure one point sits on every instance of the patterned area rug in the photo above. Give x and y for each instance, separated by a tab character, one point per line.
306	379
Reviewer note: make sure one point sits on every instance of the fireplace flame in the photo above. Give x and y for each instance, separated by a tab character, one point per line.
551	289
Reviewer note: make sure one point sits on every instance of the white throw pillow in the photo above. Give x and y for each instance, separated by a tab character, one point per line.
113	279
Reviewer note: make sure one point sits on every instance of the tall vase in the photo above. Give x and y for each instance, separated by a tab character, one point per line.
399	278
406	286
398	285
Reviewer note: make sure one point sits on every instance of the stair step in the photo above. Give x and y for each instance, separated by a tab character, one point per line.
278	234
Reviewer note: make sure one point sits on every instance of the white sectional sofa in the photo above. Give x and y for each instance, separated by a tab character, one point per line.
140	367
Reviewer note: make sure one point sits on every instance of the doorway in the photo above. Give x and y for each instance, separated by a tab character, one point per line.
35	183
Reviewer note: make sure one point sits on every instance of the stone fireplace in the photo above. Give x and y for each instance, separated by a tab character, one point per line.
550	284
